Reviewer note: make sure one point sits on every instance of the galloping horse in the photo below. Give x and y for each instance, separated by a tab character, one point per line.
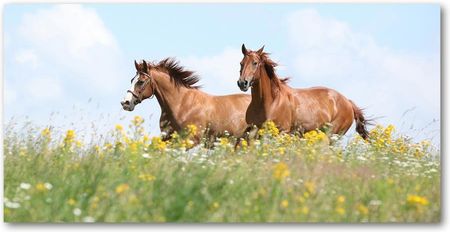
291	109
182	103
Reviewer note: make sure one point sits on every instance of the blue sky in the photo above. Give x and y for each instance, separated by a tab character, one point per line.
76	60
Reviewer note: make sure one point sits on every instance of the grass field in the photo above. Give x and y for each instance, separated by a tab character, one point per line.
128	176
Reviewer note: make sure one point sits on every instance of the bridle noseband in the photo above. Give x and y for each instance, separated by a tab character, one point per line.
142	88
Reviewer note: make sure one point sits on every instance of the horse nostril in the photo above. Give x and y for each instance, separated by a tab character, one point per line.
245	83
240	84
125	102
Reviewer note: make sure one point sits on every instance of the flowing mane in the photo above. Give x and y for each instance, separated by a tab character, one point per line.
269	66
178	73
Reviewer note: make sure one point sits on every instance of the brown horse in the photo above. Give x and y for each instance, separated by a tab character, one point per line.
291	109
182	103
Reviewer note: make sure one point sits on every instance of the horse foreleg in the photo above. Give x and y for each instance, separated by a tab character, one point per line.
249	133
166	128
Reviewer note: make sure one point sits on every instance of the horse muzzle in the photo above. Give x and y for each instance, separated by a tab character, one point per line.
244	85
126	105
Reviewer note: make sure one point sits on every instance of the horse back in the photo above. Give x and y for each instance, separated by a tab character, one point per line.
319	105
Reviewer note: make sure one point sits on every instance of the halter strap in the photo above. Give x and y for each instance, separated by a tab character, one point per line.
149	80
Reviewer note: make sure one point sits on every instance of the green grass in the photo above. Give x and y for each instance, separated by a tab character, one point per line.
278	178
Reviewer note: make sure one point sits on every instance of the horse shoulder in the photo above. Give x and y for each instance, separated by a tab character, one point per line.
194	107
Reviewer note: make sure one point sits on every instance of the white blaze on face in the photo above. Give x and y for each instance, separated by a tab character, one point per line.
129	97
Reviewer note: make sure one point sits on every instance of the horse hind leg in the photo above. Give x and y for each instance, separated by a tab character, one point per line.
337	127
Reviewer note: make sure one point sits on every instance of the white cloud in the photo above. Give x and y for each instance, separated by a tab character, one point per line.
59	57
71	28
27	57
330	53
73	40
9	94
44	88
218	73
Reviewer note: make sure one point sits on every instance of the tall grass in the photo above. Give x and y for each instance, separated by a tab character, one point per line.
131	177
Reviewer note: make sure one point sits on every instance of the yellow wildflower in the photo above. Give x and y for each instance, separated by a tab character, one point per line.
382	137
71	202
362	209
224	141
284	204
145	139
137	121
272	128
118	145
261	132
340	199
310	187
133	147
70	137
46	133
146	177
306	194
122	188
94	202
40	187
133	199
340	210
175	135
187	143
281	171
215	205
244	143
108	146
418	153
425	144
70	134
315	136
158	143
119	127
79	143
269	128
305	210
301	199
416	200
191	129
390	181
388	131
96	149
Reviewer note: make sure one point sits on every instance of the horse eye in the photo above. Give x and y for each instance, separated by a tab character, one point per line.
139	82
255	63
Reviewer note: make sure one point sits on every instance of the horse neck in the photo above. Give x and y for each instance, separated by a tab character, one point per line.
262	91
168	95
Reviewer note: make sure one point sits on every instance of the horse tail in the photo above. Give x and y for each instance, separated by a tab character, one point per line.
361	122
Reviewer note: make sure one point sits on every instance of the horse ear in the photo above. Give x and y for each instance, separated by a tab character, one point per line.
244	50
261	50
145	66
136	65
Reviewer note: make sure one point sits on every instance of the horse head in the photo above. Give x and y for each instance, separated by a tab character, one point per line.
249	66
142	87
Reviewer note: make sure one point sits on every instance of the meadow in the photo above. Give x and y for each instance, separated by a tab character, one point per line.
128	176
